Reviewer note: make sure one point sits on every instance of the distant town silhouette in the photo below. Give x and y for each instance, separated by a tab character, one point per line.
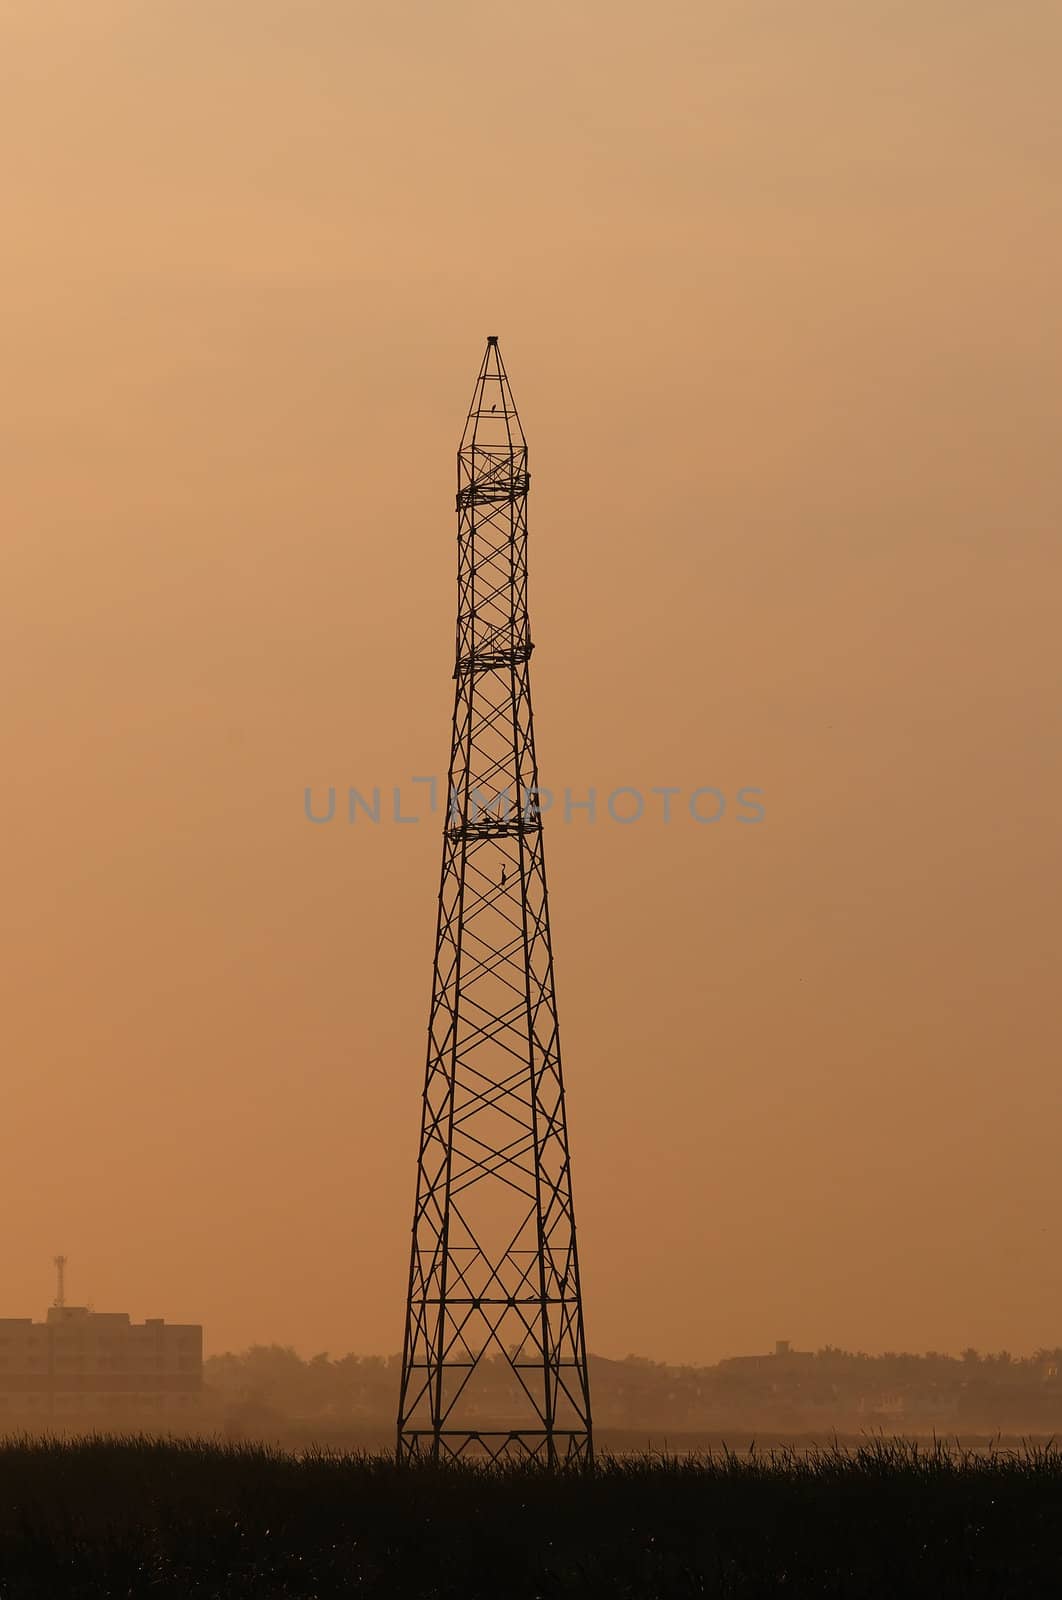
786	1391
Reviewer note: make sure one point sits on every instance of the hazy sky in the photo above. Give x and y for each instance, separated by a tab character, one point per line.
777	285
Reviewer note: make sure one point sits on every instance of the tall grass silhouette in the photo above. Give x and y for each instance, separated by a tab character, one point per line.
100	1516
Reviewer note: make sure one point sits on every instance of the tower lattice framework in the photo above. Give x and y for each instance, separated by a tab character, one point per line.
494	1355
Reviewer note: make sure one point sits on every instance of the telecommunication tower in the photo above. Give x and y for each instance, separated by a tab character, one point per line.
494	1356
59	1263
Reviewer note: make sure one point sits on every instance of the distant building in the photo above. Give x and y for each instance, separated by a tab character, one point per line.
891	1405
784	1356
99	1368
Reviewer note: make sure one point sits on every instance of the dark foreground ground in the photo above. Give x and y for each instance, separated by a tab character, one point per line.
104	1517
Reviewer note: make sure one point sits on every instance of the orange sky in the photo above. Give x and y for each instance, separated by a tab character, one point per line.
777	287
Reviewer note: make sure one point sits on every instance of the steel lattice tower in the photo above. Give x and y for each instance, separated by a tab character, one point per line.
494	1357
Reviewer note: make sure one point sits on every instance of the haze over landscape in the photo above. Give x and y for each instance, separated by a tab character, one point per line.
777	288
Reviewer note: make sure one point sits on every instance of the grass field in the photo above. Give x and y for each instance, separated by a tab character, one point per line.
102	1517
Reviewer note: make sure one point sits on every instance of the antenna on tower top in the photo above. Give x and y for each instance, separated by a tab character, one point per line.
59	1262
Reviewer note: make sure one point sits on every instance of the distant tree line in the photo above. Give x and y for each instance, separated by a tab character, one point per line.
786	1391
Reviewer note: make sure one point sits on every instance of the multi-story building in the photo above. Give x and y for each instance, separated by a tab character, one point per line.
100	1369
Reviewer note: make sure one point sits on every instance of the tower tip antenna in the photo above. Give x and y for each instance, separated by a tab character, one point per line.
492	338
